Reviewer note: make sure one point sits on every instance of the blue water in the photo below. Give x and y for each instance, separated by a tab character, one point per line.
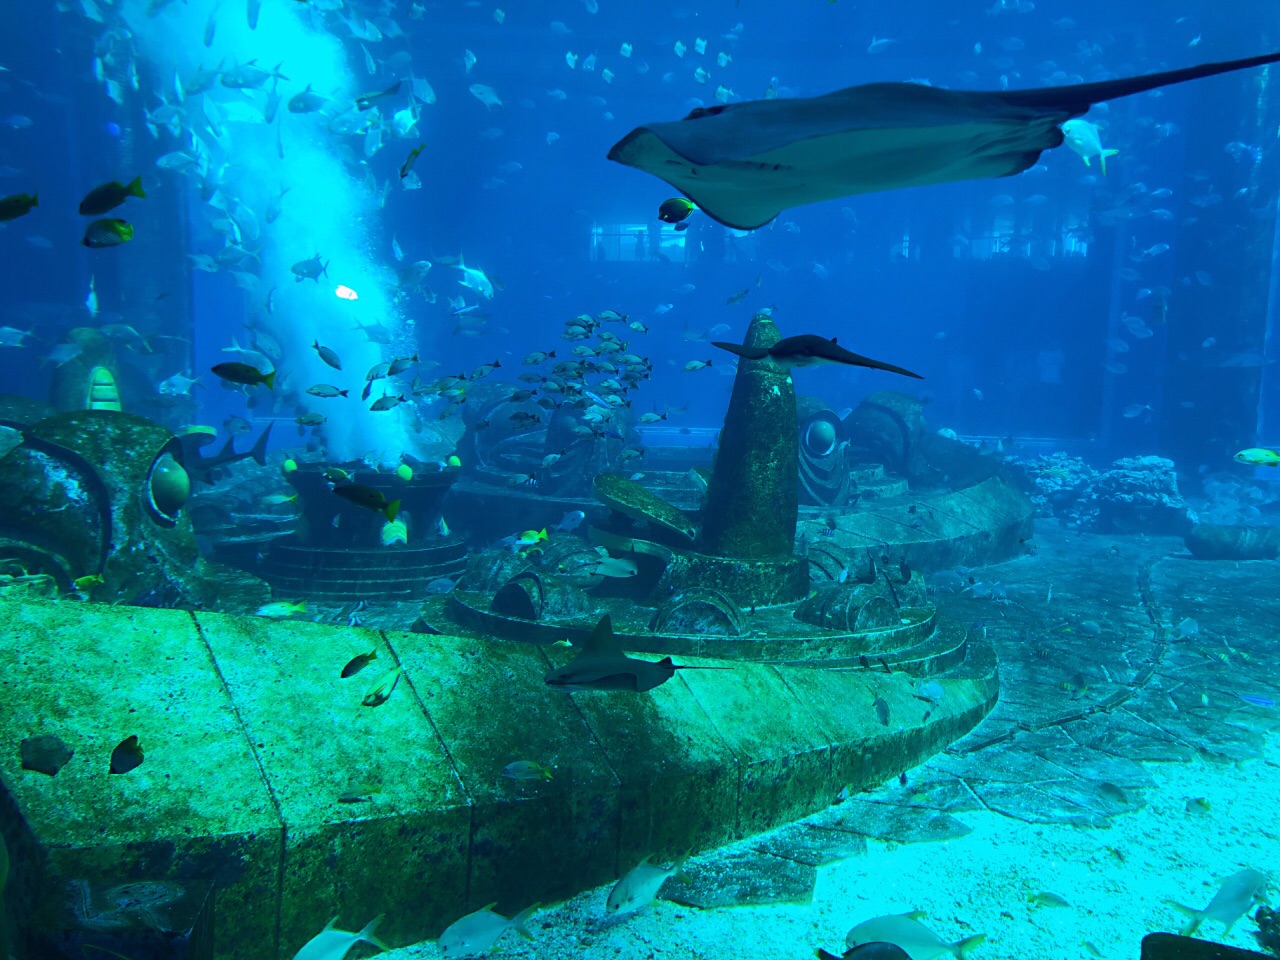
1003	293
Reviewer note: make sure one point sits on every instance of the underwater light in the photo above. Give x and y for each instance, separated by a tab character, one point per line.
346	293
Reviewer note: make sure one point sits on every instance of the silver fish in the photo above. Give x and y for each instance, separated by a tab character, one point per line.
1237	894
477	932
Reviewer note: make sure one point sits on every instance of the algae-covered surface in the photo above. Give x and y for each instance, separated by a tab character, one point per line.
1150	779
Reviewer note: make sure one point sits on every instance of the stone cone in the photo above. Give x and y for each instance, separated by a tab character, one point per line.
752	500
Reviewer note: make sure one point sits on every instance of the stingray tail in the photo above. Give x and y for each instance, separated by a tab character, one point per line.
1078	99
880	365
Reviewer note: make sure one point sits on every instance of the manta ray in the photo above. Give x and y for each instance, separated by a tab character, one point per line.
744	163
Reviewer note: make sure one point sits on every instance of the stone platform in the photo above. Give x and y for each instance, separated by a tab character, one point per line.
264	773
984	523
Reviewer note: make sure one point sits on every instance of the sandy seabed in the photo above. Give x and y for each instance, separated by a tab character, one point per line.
1116	881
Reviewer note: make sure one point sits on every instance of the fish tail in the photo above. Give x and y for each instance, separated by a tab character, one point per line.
1197	917
270	380
1102	159
517	922
391	510
962	947
135	189
677	868
367	933
35	199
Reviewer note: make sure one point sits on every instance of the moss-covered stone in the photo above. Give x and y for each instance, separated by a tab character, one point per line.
531	839
403	852
752	500
98	492
783	755
253	741
197	807
748	581
636	503
679	779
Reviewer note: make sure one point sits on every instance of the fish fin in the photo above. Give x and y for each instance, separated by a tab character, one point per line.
367	933
391	510
517	922
270	380
677	868
960	949
823	955
742	350
228	448
602	641
259	451
135	189
329	925
1197	917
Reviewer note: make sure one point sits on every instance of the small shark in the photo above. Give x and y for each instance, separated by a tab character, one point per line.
603	666
209	469
809	350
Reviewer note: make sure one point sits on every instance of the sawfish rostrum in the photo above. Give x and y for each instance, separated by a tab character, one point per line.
603	666
744	163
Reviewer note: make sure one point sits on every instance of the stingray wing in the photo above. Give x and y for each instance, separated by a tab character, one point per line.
595	673
745	163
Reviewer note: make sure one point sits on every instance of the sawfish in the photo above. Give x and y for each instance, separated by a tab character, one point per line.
744	163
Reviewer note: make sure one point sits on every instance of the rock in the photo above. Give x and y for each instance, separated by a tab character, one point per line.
1140	495
742	878
45	754
636	503
1230	541
1136	495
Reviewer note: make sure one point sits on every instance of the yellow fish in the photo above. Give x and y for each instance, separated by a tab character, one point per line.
1258	457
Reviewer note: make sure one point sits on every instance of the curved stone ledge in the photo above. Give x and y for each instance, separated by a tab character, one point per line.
251	738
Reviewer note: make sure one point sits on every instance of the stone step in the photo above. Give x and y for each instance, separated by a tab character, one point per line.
886	488
867	473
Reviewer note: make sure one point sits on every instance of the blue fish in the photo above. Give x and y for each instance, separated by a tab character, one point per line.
1256	699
